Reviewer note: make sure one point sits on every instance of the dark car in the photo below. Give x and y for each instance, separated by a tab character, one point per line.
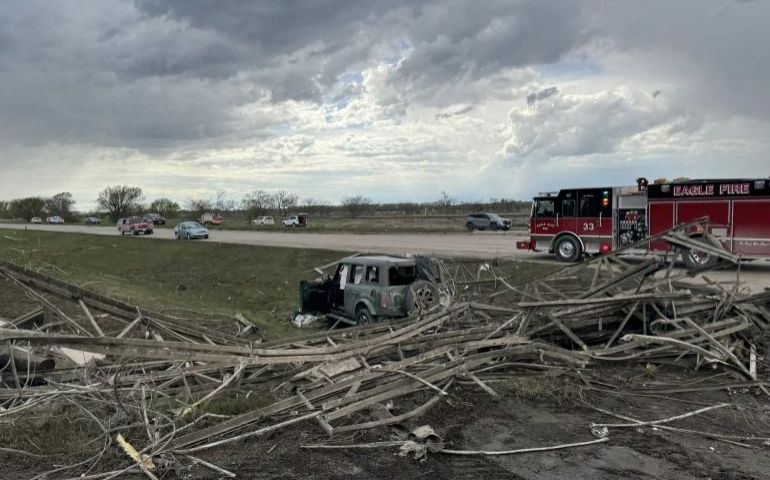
154	218
93	221
484	221
370	288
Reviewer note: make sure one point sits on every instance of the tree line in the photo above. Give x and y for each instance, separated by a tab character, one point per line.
120	201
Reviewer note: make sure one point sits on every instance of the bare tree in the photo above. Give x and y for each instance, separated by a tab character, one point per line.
445	202
198	205
61	205
257	203
284	201
356	206
5	209
164	207
120	200
220	200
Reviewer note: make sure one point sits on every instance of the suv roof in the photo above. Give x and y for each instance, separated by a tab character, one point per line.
379	260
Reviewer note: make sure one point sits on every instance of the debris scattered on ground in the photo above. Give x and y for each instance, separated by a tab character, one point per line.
147	380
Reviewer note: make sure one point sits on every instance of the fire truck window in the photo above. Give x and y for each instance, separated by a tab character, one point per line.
594	204
568	207
545	209
589	205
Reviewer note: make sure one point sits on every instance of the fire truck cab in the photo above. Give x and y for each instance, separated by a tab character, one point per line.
574	222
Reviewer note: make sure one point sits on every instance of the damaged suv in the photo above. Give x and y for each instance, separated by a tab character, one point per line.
367	289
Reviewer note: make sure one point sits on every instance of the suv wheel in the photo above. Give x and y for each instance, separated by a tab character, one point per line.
422	295
469	226
363	317
493	226
567	249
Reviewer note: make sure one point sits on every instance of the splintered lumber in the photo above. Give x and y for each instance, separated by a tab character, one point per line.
165	371
608	300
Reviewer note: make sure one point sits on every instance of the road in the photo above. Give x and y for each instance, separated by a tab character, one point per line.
477	244
754	275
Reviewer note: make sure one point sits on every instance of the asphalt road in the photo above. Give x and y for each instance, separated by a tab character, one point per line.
753	275
476	244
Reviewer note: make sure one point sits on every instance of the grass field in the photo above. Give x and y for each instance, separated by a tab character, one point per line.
220	279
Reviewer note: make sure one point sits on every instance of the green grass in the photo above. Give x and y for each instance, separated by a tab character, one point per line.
170	277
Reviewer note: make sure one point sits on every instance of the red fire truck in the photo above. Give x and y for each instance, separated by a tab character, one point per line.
571	223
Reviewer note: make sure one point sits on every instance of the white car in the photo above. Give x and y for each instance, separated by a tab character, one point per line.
36	220
263	221
54	219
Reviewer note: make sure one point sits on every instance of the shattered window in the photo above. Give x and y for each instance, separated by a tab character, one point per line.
358	274
372	275
402	275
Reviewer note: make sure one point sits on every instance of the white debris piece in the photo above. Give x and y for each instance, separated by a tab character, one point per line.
304	319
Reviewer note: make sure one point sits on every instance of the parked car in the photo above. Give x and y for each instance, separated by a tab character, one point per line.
36	220
93	221
190	230
263	221
155	218
135	226
55	219
211	218
483	221
366	289
298	220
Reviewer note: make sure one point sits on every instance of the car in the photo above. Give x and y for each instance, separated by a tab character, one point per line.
135	225
155	218
483	221
263	221
366	289
298	220
36	220
190	230
54	219
93	221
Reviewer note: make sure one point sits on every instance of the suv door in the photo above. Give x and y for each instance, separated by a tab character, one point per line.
354	288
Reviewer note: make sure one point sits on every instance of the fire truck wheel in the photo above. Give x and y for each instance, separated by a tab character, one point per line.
567	249
698	260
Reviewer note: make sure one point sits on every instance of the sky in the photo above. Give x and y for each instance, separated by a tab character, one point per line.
392	99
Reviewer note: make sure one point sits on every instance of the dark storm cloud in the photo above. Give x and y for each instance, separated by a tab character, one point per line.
719	49
150	74
136	74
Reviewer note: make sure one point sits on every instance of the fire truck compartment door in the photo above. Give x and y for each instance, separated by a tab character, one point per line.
751	227
718	212
661	218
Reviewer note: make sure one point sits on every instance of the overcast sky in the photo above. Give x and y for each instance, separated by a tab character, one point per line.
396	100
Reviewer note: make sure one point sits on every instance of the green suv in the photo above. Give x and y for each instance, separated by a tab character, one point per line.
366	289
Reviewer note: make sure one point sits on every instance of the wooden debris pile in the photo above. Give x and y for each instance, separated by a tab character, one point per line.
149	381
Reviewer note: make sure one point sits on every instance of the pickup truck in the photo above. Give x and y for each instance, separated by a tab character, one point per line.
211	218
299	220
135	226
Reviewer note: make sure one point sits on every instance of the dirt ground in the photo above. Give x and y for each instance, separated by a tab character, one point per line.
533	412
